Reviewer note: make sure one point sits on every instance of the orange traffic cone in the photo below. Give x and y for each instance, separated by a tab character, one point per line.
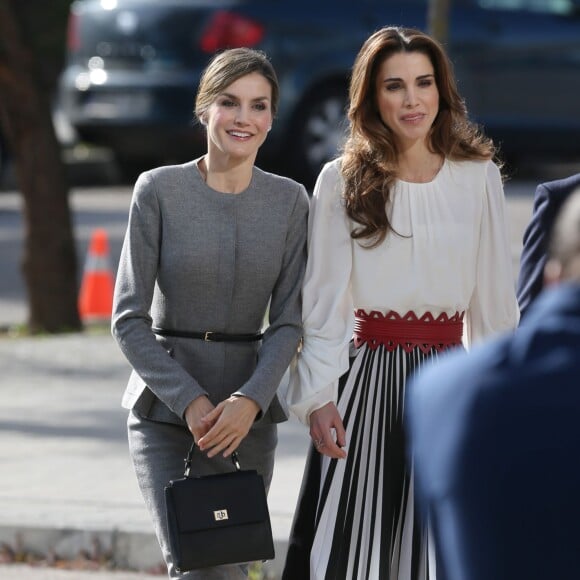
96	292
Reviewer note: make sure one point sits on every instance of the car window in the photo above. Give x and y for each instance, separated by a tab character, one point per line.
544	6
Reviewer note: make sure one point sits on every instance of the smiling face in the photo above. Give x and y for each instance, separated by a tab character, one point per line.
407	96
239	118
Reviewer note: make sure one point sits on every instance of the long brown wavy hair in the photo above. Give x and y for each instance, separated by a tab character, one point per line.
369	157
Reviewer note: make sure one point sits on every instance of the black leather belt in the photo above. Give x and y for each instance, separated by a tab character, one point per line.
209	336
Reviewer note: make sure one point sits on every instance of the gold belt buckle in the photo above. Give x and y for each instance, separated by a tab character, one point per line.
207	336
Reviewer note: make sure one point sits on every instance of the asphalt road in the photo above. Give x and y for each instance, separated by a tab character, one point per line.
107	206
98	202
99	207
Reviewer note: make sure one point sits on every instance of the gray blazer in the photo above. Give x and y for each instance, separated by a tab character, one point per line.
195	259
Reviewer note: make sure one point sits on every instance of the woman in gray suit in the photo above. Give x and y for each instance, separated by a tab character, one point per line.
211	247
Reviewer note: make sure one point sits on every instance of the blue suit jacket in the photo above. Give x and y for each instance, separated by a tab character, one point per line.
547	203
495	437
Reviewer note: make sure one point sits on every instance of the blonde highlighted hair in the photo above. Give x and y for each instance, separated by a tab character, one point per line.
227	67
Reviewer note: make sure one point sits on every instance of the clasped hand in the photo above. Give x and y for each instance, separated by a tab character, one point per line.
221	428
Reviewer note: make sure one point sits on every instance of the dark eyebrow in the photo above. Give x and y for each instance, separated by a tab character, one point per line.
233	97
420	77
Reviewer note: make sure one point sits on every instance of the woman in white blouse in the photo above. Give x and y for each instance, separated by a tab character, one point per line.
408	256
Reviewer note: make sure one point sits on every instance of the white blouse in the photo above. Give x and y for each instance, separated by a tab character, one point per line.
452	255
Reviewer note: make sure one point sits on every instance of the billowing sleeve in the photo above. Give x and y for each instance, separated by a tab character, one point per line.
493	306
327	312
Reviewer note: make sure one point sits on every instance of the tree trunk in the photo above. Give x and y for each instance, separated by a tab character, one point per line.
49	263
438	20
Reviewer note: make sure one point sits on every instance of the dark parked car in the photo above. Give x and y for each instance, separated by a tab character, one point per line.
133	68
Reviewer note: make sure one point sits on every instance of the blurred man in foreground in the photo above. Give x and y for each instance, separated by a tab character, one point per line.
495	437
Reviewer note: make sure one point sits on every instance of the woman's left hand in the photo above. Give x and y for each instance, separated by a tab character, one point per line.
231	420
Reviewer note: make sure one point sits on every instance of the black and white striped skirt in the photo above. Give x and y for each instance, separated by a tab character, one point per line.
356	518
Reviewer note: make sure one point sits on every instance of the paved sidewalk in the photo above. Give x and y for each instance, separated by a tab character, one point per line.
66	483
22	572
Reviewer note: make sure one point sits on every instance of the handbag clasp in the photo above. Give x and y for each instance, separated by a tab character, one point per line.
221	515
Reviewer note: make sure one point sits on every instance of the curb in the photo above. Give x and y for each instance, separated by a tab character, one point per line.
115	548
123	550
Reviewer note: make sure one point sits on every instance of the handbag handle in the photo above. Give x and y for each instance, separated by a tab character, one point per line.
189	459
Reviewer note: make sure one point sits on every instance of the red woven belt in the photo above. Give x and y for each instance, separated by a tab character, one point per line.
392	330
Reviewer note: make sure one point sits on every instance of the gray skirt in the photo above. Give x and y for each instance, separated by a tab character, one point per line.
158	449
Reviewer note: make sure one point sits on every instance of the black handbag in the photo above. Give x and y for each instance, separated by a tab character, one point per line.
218	519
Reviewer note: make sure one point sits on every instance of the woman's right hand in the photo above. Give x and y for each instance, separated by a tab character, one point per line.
195	412
322	423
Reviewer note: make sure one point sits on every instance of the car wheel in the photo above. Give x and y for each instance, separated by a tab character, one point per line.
319	130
